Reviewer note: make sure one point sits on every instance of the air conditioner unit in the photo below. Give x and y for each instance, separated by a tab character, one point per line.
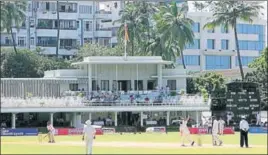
44	12
219	50
233	50
54	12
205	49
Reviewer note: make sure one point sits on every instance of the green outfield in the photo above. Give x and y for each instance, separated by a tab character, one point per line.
144	143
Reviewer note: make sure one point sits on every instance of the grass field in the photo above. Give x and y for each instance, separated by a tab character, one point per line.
133	144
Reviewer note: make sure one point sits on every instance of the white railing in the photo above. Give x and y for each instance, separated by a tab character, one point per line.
82	102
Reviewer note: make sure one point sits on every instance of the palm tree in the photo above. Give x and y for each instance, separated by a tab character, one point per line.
175	29
129	16
58	30
228	13
12	13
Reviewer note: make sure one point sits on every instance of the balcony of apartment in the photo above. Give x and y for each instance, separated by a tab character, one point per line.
102	14
103	32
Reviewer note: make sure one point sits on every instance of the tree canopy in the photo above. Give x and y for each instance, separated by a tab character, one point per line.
260	76
28	64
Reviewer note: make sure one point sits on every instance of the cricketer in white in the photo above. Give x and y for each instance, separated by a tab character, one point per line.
89	131
215	131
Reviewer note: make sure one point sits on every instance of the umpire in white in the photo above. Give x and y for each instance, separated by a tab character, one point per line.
243	132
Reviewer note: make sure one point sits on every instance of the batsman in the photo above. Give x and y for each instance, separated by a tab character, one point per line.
88	135
51	132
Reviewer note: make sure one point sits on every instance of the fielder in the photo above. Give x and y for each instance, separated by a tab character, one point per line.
221	126
51	132
89	132
185	133
215	132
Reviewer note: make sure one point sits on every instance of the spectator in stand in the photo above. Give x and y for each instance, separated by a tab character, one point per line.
132	98
146	99
167	90
258	118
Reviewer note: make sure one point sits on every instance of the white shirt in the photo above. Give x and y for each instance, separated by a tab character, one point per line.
184	127
243	125
221	124
89	132
215	127
229	117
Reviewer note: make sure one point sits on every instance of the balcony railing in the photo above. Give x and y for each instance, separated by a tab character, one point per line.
82	99
69	10
68	47
103	12
9	44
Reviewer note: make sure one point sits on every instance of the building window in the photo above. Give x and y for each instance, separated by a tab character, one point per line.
251	45
211	44
224	29
47	41
85	9
105	85
47	6
190	60
211	30
68	43
88	40
218	62
245	60
171	84
88	26
77	24
195	45
104	41
224	44
32	41
73	87
21	41
196	27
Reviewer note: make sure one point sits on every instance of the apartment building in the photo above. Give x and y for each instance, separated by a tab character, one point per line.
80	22
87	21
216	49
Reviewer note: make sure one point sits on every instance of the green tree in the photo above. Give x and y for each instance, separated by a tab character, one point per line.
98	50
260	76
227	13
12	14
28	64
175	30
212	82
129	16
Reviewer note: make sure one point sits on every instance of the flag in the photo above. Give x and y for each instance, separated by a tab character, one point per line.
126	32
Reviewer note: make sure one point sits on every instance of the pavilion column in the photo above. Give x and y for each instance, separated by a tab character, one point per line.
89	72
167	120
159	75
51	118
74	120
133	84
145	84
115	118
89	116
78	120
110	84
13	121
141	118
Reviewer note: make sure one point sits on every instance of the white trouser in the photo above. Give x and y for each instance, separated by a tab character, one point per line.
258	122
89	144
186	136
215	138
